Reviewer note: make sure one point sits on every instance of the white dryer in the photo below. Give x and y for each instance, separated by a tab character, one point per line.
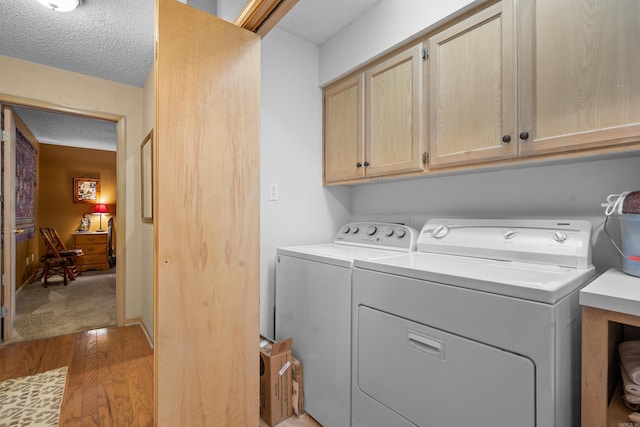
313	305
480	326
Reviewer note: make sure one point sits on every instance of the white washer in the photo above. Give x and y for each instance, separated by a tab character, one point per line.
479	327
313	305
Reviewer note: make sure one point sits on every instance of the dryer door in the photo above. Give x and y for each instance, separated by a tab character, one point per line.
433	378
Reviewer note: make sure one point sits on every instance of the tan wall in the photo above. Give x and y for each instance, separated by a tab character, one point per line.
78	92
58	166
26	250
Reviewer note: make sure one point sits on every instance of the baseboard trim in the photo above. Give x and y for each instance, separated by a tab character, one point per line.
139	321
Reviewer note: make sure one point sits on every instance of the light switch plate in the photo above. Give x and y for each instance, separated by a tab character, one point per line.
273	191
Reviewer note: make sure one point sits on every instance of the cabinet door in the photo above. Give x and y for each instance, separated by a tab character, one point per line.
394	111
579	68
343	134
472	89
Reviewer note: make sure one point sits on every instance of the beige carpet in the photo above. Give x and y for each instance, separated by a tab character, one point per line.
34	400
89	302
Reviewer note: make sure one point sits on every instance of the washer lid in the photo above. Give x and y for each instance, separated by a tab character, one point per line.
335	253
535	282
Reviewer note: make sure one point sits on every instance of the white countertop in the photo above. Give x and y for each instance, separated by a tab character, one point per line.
614	291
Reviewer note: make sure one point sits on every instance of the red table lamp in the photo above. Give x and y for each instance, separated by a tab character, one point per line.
100	209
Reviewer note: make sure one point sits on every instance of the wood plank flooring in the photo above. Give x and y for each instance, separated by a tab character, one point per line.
294	421
110	380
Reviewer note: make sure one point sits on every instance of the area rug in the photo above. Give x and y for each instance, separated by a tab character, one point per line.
33	400
89	302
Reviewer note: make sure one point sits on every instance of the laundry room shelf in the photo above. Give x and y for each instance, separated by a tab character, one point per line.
617	413
608	303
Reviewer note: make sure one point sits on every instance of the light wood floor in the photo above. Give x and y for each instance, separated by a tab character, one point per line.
294	421
110	380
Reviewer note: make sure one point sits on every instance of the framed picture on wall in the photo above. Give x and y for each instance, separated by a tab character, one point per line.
86	190
146	166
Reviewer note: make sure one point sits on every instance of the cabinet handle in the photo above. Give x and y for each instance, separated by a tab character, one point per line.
366	164
524	135
506	138
358	165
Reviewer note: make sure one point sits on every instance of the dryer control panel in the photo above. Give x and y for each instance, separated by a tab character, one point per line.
564	243
379	235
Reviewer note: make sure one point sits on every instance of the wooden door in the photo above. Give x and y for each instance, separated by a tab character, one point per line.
344	130
394	114
579	68
206	220
8	300
472	96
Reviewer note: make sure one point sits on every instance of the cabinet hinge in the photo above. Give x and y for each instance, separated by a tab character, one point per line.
4	311
4	136
425	158
425	53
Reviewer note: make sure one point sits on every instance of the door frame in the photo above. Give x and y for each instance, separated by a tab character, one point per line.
8	224
120	121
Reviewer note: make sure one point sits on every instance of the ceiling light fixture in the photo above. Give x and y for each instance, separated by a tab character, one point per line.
61	5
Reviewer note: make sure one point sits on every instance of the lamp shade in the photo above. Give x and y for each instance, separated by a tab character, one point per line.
61	5
100	208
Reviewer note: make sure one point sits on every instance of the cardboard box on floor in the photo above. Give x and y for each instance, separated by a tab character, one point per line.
297	397
275	380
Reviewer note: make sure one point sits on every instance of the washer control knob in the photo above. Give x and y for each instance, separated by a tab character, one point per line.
389	232
559	236
355	229
440	231
372	230
346	230
401	234
509	234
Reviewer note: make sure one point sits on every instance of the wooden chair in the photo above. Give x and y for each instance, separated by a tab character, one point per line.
53	263
70	254
57	259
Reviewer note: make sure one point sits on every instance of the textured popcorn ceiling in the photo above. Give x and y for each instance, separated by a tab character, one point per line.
71	131
110	39
113	40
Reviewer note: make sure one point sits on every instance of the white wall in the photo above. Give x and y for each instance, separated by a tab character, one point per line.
381	29
563	191
229	9
291	157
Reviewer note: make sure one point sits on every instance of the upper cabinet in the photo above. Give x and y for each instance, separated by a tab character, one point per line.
472	114
343	130
578	74
394	110
511	82
373	122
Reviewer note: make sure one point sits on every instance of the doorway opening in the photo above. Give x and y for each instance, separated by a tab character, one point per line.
68	160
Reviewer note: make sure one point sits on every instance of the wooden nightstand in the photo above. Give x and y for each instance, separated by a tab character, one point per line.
94	249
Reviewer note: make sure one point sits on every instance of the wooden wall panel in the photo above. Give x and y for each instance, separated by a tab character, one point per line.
206	213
